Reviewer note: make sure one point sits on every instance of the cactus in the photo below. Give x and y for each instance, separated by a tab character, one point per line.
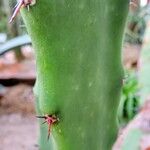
79	73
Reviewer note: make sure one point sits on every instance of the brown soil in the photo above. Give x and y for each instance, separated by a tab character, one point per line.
18	126
18	132
17	99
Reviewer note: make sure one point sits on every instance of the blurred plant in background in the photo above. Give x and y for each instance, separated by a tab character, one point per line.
134	34
129	103
3	20
136	24
135	28
14	29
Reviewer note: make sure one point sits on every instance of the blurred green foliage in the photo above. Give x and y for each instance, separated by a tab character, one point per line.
129	103
3	22
136	25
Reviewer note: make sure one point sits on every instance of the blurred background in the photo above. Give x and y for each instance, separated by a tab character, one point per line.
17	76
18	126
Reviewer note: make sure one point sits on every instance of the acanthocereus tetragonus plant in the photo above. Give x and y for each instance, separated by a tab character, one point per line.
79	72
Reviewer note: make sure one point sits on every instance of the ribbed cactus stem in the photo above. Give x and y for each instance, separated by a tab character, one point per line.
79	73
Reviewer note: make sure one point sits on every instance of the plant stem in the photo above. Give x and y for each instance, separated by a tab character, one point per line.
79	72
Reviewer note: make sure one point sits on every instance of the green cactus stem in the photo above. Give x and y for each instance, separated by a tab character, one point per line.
79	73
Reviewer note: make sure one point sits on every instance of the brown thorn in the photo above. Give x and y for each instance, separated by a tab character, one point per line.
49	130
44	117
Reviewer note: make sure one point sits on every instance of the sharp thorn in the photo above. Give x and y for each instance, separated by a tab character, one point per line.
16	11
44	122
41	117
49	131
48	136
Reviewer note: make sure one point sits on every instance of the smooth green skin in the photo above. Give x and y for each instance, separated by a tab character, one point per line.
79	71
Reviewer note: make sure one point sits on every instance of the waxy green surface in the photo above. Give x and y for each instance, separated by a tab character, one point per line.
79	73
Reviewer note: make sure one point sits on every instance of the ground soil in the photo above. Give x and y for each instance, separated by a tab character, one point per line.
18	132
18	124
